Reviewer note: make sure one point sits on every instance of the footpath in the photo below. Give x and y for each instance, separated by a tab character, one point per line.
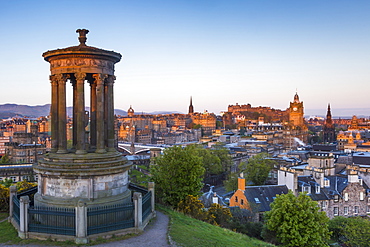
154	235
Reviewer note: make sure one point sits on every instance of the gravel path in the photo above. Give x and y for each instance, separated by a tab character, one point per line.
154	235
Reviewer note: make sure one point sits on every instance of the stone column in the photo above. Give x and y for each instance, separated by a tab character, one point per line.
62	114
74	125
100	128
54	113
80	113
13	192
92	114
110	113
151	190
23	217
138	203
81	223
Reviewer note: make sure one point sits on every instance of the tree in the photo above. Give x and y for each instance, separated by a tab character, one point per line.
177	174
5	159
297	221
256	171
258	168
211	163
231	183
223	154
354	231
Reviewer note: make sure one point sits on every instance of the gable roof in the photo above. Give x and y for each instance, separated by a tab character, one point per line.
262	196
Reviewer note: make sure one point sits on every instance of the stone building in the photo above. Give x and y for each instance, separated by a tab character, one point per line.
337	195
329	129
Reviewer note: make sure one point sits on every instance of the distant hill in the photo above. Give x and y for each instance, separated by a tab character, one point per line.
14	110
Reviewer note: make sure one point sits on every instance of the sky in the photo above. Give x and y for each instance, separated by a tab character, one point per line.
218	52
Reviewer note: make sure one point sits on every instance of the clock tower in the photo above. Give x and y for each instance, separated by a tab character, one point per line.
296	113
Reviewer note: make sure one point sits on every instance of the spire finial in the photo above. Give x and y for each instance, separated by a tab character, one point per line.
82	38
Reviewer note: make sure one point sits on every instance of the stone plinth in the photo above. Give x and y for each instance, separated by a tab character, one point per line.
63	179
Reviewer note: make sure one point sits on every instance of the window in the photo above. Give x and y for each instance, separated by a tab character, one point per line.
345	210
306	188
336	198
257	200
335	211
361	196
346	197
368	209
236	199
356	210
241	202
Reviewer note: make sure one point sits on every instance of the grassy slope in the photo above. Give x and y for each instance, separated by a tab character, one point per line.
186	231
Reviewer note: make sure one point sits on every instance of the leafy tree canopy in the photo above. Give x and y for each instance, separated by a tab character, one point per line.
258	168
5	159
297	221
354	231
255	171
177	173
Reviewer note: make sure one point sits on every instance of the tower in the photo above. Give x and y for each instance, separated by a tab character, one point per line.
296	113
191	108
92	170
130	112
328	130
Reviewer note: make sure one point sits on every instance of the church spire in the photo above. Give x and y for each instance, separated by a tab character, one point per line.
328	120
328	114
191	108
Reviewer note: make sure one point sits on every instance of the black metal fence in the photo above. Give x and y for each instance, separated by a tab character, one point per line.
52	220
16	209
110	218
146	199
147	205
100	219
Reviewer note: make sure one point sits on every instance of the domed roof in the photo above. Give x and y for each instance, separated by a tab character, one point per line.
82	49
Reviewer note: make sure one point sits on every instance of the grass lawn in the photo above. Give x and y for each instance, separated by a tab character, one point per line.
3	215
186	231
139	178
8	235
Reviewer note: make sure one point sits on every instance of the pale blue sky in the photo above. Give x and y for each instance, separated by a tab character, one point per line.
218	52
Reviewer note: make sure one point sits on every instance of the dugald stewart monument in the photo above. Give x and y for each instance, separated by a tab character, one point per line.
93	169
83	187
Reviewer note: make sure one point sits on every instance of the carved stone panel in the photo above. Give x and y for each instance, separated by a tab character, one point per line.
87	65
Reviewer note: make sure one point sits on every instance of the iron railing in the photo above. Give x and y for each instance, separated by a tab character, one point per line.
147	205
52	220
110	218
16	209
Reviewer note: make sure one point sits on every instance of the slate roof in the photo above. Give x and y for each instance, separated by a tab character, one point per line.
262	196
361	158
324	147
312	184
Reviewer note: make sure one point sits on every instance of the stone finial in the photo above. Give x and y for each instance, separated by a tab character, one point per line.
82	38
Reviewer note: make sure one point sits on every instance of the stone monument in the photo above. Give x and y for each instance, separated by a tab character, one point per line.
91	170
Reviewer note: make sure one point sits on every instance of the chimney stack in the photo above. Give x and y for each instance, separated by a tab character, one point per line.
241	182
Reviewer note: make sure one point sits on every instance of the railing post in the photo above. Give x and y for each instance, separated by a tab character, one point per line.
138	202
151	190
81	223
23	217
13	192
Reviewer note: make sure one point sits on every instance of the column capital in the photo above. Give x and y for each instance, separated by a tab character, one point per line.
111	79
80	76
59	78
99	78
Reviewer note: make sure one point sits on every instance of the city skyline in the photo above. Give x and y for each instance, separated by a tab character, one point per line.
219	53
